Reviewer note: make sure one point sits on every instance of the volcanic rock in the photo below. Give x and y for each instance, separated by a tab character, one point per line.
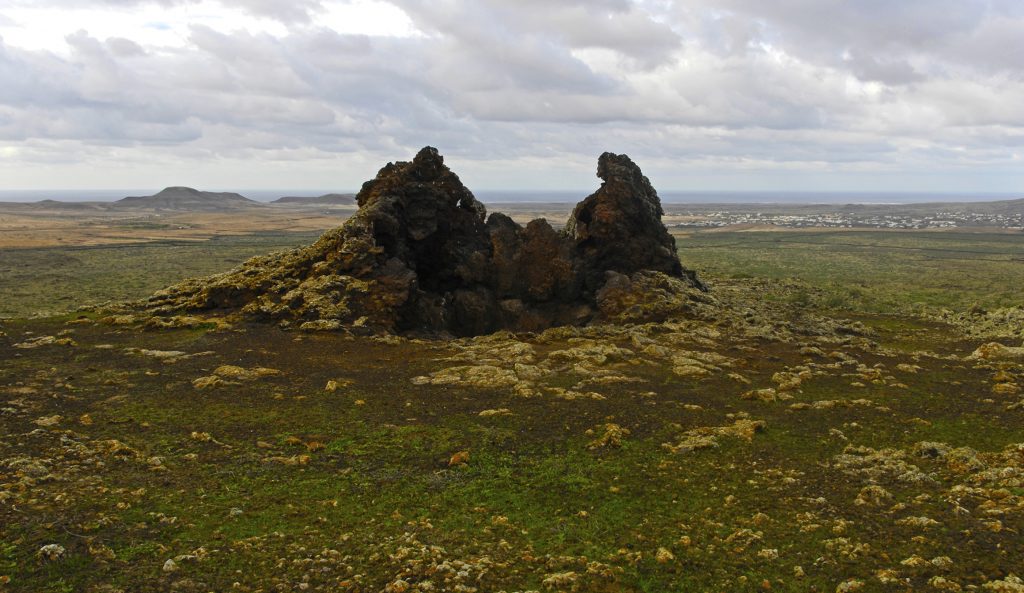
420	255
619	229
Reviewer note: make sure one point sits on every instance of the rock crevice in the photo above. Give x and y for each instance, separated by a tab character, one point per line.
421	255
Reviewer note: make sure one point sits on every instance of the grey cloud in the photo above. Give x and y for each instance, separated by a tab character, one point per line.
124	48
494	25
33	78
747	84
995	45
885	37
831	24
890	71
249	63
286	11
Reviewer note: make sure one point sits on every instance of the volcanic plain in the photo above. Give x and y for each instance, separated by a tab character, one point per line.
839	411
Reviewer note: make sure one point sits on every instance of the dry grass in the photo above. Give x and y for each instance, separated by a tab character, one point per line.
74	229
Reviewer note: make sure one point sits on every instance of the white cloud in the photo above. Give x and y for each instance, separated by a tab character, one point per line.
326	90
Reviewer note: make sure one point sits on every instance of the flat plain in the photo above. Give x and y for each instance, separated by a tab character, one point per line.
878	271
838	427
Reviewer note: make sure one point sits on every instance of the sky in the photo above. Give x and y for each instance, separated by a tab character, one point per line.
732	95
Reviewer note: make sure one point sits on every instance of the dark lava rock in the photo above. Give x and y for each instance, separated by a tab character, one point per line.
619	229
422	256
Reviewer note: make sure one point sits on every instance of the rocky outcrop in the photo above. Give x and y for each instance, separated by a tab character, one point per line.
421	256
618	228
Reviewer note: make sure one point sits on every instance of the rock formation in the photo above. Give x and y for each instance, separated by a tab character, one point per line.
618	228
421	256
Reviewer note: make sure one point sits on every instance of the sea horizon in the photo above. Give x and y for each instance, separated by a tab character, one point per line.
563	196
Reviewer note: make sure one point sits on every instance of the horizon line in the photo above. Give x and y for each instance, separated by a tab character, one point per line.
320	191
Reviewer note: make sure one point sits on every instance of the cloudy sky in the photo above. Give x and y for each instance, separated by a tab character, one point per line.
862	95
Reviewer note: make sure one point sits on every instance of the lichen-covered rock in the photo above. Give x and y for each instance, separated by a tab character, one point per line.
648	296
706	437
611	435
421	255
1011	584
997	351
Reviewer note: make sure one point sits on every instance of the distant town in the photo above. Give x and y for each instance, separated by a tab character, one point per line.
937	220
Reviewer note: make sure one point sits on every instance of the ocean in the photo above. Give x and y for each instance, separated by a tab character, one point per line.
561	196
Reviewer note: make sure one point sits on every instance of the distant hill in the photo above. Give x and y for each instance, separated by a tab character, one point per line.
1006	207
187	198
54	205
340	199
